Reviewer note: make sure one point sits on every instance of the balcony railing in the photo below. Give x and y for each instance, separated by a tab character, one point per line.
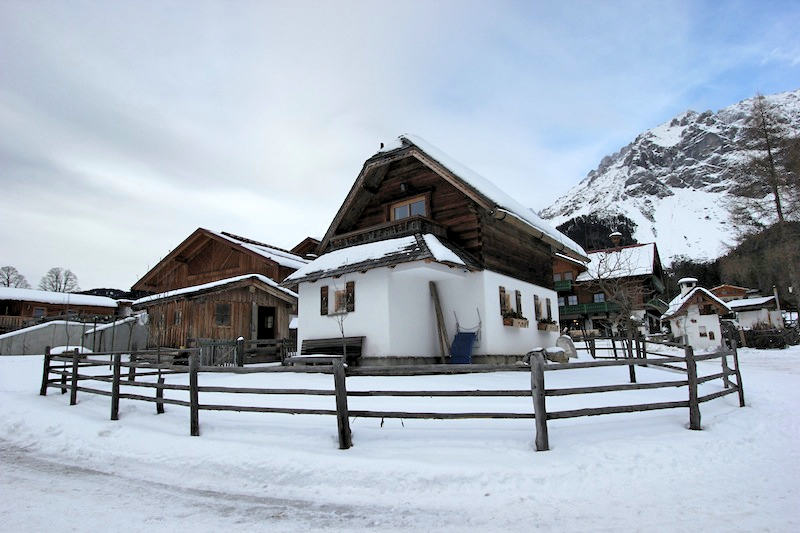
563	285
587	309
389	230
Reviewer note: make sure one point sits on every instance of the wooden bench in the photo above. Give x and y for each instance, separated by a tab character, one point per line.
320	350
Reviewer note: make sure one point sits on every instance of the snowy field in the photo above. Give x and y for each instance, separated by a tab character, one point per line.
70	468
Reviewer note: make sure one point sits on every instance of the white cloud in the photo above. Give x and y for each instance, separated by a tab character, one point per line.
144	121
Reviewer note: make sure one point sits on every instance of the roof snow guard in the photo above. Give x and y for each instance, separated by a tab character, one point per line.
499	204
384	253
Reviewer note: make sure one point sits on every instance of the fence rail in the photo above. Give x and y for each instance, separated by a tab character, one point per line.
70	377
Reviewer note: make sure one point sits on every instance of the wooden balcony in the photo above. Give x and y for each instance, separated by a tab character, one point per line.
389	230
565	311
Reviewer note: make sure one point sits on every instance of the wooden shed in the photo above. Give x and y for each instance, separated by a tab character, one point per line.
251	306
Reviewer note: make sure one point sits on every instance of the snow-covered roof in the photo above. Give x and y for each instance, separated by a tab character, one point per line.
677	303
628	261
760	302
282	257
212	285
504	203
55	298
419	247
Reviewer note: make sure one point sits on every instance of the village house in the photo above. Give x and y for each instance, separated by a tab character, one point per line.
423	249
694	316
20	308
619	282
220	286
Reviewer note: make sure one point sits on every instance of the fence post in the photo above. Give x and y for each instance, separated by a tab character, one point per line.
240	351
694	404
738	374
73	392
629	356
45	372
342	413
132	369
538	393
194	403
160	397
115	386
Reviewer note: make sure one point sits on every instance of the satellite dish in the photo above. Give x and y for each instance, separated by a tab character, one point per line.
144	318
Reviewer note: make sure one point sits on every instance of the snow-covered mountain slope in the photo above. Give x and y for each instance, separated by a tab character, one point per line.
674	181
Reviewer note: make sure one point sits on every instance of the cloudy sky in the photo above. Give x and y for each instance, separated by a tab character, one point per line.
124	126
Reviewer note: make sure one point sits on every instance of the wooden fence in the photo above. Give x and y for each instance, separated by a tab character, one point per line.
68	378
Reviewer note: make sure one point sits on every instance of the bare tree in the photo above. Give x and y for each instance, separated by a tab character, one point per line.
10	277
767	183
59	279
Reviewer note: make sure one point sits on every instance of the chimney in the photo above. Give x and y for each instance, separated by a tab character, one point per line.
686	285
616	238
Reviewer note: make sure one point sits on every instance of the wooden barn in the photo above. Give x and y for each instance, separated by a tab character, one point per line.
251	306
220	286
207	256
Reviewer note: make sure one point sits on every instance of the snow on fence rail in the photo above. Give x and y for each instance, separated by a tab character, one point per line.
69	377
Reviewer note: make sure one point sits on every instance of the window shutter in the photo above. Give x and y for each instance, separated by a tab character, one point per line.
549	310
537	307
519	302
503	300
350	294
323	300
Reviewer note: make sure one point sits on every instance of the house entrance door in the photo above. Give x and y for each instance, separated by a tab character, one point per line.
266	322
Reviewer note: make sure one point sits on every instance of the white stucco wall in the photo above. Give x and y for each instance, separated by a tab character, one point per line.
394	310
689	326
748	319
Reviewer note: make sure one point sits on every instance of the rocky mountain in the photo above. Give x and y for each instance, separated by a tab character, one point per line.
674	182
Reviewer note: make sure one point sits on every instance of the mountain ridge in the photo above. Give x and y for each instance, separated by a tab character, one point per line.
675	180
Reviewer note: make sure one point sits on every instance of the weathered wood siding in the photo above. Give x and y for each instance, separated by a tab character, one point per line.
446	204
212	261
497	245
198	317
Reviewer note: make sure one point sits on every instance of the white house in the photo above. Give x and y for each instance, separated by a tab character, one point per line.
694	316
419	229
754	312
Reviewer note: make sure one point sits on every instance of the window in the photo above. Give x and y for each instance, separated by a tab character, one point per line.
222	315
518	296
557	276
537	307
599	297
703	331
345	300
549	309
177	317
572	299
409	208
323	300
39	312
567	276
561	301
505	301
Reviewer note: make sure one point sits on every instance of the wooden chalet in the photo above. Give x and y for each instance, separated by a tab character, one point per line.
220	286
591	296
24	307
423	244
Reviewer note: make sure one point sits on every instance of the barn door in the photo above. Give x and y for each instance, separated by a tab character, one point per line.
266	322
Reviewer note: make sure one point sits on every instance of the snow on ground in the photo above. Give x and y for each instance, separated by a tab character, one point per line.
71	468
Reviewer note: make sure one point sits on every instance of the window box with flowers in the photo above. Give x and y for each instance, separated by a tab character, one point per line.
547	325
514	319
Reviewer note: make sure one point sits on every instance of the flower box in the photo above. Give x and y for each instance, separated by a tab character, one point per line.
543	326
520	322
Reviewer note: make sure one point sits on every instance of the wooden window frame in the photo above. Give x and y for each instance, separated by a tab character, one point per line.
345	299
424	198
